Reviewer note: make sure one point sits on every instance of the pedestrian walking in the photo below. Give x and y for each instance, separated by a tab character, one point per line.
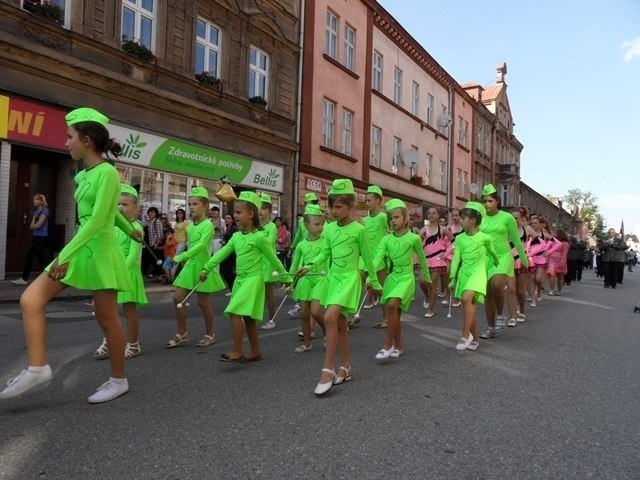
90	261
251	247
270	231
398	249
136	297
345	241
40	239
199	236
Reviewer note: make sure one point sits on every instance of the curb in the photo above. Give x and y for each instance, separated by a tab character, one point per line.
81	295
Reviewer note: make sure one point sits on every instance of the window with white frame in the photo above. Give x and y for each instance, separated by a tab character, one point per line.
207	48
258	73
430	107
443	127
428	170
331	36
397	86
56	10
504	195
465	135
377	71
443	176
465	184
349	47
376	146
460	129
138	22
415	98
347	131
459	183
397	149
328	122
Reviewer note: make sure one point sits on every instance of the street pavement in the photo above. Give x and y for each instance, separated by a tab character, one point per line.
555	398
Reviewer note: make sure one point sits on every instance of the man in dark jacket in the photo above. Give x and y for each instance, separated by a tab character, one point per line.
613	257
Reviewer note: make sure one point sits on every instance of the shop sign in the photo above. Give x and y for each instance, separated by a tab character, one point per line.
32	124
317	185
176	156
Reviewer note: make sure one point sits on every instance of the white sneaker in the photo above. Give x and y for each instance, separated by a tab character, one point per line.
20	282
473	346
295	311
445	302
228	294
396	353
425	304
268	325
500	322
27	380
368	306
110	390
464	343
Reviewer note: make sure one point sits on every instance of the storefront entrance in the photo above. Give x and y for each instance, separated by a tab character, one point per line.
32	171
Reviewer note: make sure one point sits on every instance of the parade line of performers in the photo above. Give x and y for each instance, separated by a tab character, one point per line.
480	255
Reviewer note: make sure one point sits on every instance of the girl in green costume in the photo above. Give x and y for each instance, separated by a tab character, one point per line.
377	226
310	291
399	249
199	237
270	231
502	228
90	261
137	296
344	242
469	271
246	306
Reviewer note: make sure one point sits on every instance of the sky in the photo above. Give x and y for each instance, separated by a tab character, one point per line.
573	76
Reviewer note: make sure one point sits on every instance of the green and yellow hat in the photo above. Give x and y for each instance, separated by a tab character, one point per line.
488	189
342	186
477	206
86	114
374	189
265	198
313	210
251	197
310	197
128	190
199	192
393	204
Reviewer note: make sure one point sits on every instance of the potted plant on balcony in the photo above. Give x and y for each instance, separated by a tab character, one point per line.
258	100
207	79
417	179
138	50
45	9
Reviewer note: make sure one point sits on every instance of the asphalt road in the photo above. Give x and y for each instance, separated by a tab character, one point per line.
555	398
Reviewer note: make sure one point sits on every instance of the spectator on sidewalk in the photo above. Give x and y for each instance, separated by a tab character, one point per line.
40	238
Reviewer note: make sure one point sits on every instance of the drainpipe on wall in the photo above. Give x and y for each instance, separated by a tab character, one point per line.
450	144
296	160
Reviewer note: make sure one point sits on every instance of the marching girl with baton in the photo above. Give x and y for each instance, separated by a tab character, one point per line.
398	247
246	306
90	261
310	291
270	231
199	237
345	240
137	296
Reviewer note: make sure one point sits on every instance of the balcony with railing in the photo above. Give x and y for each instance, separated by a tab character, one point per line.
509	170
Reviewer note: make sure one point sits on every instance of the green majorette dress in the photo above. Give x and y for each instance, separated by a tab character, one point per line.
270	232
401	282
95	260
473	256
132	251
377	227
251	249
199	237
309	287
301	233
502	227
344	244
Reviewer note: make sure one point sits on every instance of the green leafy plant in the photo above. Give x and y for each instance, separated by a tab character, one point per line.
138	50
207	79
258	100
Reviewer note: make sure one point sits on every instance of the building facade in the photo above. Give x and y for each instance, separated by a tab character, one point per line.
196	91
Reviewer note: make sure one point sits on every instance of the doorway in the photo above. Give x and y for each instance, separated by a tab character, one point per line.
32	171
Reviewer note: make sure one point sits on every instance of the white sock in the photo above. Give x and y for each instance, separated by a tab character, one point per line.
117	380
37	369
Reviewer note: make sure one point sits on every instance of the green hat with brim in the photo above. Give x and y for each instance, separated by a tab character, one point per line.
199	192
393	204
128	190
86	114
310	197
374	189
477	206
342	186
313	210
265	198
251	197
488	189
